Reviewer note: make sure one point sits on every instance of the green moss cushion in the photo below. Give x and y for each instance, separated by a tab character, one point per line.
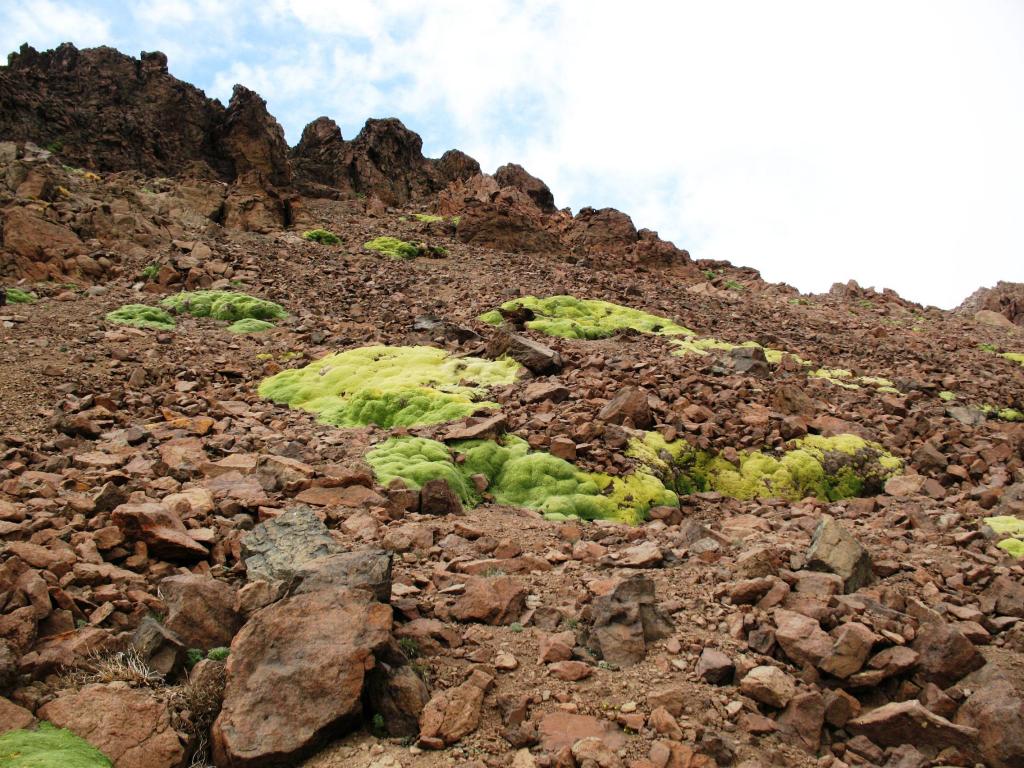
572	318
48	747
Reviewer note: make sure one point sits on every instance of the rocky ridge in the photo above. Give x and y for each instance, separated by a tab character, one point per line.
177	547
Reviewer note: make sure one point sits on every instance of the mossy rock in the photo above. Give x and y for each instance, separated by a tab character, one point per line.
49	747
250	325
1014	357
141	316
518	477
830	468
394	248
1002	414
390	386
322	236
570	318
20	296
1010	527
223	305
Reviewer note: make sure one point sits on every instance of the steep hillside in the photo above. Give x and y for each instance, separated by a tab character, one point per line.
338	455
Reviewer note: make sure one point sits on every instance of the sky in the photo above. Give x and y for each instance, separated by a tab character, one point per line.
817	140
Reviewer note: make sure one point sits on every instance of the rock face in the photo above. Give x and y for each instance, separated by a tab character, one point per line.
997	711
276	549
1006	299
201	610
161	530
513	175
130	726
295	676
384	161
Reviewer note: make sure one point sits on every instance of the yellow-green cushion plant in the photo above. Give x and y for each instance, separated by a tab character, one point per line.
48	747
390	386
1010	527
223	305
141	316
570	318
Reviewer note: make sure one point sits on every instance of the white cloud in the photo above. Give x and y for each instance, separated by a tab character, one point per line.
816	141
48	23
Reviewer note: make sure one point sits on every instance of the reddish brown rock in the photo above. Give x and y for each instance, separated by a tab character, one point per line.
200	610
161	530
513	175
295	676
454	713
996	710
498	600
944	654
629	406
907	722
559	730
130	726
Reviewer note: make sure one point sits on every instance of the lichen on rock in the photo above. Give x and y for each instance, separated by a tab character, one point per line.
709	344
390	386
570	318
141	316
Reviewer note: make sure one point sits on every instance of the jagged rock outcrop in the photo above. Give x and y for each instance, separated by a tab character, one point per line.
254	140
513	175
1006	299
385	161
106	111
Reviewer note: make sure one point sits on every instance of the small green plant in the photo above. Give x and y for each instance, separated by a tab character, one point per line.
987	348
141	316
572	622
223	305
150	272
732	285
427	218
218	654
394	248
19	296
710	274
55	146
946	396
607	665
193	656
377	726
409	647
322	236
515	626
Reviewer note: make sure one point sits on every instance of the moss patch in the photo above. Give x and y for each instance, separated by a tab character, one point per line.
570	318
141	316
394	248
390	386
709	344
19	296
826	467
841	377
49	747
518	477
1015	357
427	218
946	396
322	236
1010	527
250	325
223	305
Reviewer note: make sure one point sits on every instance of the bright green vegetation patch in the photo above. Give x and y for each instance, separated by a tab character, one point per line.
394	248
831	468
1012	528
19	296
709	344
427	218
250	325
841	377
390	386
946	396
322	236
1016	357
1003	414
49	747
223	305
518	477
570	318
141	316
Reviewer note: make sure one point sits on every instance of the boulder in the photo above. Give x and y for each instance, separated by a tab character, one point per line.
398	695
629	405
368	570
200	610
295	676
768	685
996	710
498	600
908	722
276	549
944	654
131	726
534	356
834	549
625	621
160	529
455	712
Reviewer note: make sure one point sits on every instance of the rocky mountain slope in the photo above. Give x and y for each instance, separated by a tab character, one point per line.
336	455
